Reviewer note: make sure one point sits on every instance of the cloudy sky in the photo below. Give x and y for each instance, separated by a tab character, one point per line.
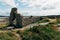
31	7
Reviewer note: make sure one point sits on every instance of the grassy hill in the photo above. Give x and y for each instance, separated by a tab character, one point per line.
39	32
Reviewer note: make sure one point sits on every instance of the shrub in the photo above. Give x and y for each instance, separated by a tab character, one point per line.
40	33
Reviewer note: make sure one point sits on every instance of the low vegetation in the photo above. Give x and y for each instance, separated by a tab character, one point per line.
39	33
8	36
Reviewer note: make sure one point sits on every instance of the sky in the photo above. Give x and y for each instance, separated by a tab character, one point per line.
31	7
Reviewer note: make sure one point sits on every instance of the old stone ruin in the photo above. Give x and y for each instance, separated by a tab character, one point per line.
26	20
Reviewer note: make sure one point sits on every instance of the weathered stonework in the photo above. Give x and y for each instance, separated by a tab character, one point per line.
25	20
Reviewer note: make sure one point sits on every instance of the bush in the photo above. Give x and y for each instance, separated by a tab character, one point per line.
40	33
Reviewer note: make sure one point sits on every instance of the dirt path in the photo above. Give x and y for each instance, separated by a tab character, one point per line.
31	25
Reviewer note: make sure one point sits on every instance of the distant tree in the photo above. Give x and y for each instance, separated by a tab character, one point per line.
30	17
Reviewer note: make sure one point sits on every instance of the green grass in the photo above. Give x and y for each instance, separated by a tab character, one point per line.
35	33
40	33
8	36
